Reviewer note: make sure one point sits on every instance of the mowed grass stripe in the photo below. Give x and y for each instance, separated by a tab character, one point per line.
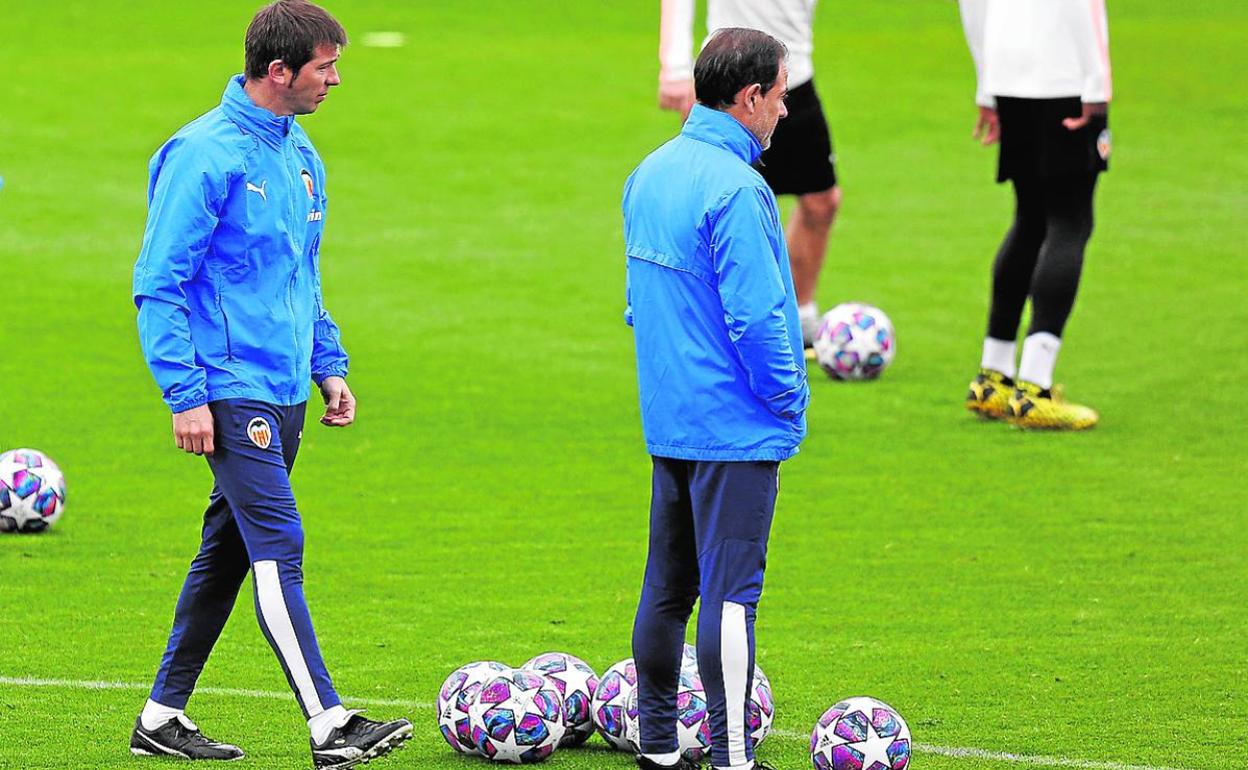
957	752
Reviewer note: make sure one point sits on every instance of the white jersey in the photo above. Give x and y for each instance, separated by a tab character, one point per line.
789	21
1038	49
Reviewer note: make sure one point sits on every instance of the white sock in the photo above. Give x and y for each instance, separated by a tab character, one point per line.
154	715
746	766
808	315
670	759
1039	359
324	723
999	356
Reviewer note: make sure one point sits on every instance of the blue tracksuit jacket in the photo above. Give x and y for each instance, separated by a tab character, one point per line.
711	302
228	283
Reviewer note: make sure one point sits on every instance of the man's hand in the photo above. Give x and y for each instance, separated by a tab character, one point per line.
192	430
987	126
339	402
1090	110
678	95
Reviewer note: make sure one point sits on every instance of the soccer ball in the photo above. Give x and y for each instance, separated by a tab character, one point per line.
855	342
32	491
458	691
860	734
517	718
760	712
693	728
609	702
576	683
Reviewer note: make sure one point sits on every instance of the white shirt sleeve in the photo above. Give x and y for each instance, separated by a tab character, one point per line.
973	14
1091	30
676	41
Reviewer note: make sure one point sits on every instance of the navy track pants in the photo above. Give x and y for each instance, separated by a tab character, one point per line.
251	524
709	524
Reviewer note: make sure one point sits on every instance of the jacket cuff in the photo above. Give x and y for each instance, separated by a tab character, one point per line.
333	371
187	403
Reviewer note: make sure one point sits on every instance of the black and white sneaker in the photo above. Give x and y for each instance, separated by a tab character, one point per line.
179	737
359	740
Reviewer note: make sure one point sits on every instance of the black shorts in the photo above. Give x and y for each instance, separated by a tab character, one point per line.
800	159
1035	144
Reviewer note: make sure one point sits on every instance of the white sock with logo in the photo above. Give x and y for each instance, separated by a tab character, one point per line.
1039	359
322	724
667	760
154	714
999	356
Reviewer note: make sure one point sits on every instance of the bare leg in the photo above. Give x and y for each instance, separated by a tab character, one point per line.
807	236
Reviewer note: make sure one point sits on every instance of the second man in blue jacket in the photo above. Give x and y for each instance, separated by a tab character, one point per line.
722	383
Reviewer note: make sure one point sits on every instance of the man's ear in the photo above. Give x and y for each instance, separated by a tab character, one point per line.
753	94
278	71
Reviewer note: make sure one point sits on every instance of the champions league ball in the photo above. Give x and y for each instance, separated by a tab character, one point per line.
860	734
609	702
855	342
517	718
576	683
760	712
32	491
459	691
693	728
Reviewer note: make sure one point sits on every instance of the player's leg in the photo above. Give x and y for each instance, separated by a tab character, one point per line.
255	447
1068	205
668	592
1012	269
204	605
807	240
733	505
800	162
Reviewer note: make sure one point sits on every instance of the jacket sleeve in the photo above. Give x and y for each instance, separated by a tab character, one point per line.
1091	30
973	14
676	41
184	203
329	358
754	294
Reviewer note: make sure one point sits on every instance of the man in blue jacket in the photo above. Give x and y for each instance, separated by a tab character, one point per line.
722	383
232	324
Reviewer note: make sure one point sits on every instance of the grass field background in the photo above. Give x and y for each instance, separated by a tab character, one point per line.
1070	596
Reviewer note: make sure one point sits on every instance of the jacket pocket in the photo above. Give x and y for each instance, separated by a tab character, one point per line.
225	327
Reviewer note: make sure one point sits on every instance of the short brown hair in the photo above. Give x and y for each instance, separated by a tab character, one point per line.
289	30
734	58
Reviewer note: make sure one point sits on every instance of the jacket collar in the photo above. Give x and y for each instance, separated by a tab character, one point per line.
252	118
722	130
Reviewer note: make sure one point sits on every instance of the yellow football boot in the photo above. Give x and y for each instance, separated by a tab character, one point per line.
1034	408
989	395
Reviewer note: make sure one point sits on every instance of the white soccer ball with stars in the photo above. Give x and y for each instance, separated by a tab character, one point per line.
32	491
576	683
855	341
517	718
693	728
860	734
610	700
459	691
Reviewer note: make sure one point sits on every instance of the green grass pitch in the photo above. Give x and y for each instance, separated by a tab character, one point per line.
1076	597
